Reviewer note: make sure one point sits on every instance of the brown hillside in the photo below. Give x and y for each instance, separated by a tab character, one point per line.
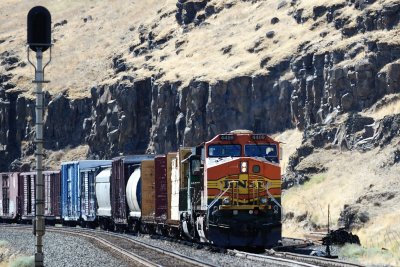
229	43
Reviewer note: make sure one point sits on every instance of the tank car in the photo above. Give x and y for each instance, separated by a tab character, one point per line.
118	193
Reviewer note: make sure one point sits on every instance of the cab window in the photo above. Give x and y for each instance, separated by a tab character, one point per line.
261	150
224	150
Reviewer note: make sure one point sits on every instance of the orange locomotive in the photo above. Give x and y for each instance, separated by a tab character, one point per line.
235	191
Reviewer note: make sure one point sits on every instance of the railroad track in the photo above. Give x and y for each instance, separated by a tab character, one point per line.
148	255
294	259
141	253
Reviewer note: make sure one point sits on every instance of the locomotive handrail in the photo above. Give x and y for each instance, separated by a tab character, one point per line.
219	196
272	197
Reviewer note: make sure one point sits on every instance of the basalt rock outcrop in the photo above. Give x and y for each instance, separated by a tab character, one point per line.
306	90
135	116
354	133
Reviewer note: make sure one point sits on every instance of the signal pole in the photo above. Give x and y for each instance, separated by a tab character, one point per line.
39	40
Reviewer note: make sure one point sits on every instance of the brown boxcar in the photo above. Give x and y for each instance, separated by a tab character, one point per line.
161	197
52	189
122	168
148	192
10	208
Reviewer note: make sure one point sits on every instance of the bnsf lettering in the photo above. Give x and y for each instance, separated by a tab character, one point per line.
243	184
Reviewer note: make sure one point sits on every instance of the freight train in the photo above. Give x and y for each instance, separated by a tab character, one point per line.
225	192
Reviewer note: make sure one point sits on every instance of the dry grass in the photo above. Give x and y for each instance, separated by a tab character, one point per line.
393	107
53	159
83	51
350	175
290	141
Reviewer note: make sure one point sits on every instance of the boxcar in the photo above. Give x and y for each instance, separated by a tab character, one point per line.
78	200
10	209
122	169
161	194
52	188
148	195
154	195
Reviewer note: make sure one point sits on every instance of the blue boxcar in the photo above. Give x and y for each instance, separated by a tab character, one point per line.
78	201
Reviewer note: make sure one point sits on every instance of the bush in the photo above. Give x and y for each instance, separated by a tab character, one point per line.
3	243
23	261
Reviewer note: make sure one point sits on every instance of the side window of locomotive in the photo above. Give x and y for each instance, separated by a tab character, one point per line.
196	167
224	151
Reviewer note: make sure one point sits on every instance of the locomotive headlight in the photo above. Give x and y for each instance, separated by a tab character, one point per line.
226	201
243	167
263	200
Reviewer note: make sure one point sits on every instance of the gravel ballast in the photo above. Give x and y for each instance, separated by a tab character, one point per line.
59	249
63	250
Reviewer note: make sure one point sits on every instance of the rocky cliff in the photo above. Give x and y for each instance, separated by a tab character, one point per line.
152	114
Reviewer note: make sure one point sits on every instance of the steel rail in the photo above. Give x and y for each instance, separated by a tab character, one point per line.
166	252
278	258
270	259
88	233
296	259
133	256
318	260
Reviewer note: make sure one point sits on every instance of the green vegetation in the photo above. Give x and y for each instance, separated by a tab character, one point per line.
314	180
374	256
3	243
23	261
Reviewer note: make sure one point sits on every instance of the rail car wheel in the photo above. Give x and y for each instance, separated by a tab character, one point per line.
103	225
144	229
173	232
135	227
113	227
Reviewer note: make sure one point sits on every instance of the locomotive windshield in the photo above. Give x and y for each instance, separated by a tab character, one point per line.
262	150
224	150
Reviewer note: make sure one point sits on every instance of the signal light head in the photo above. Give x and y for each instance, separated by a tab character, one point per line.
39	29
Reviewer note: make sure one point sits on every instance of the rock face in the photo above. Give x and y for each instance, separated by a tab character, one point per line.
320	86
356	132
120	120
306	90
135	116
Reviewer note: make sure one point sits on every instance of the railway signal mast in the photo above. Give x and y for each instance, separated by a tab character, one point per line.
39	40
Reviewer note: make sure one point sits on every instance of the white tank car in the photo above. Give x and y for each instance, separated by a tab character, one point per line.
103	193
134	194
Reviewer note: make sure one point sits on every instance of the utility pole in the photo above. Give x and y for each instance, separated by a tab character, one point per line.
39	40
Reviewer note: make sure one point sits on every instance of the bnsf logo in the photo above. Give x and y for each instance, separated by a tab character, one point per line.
243	184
